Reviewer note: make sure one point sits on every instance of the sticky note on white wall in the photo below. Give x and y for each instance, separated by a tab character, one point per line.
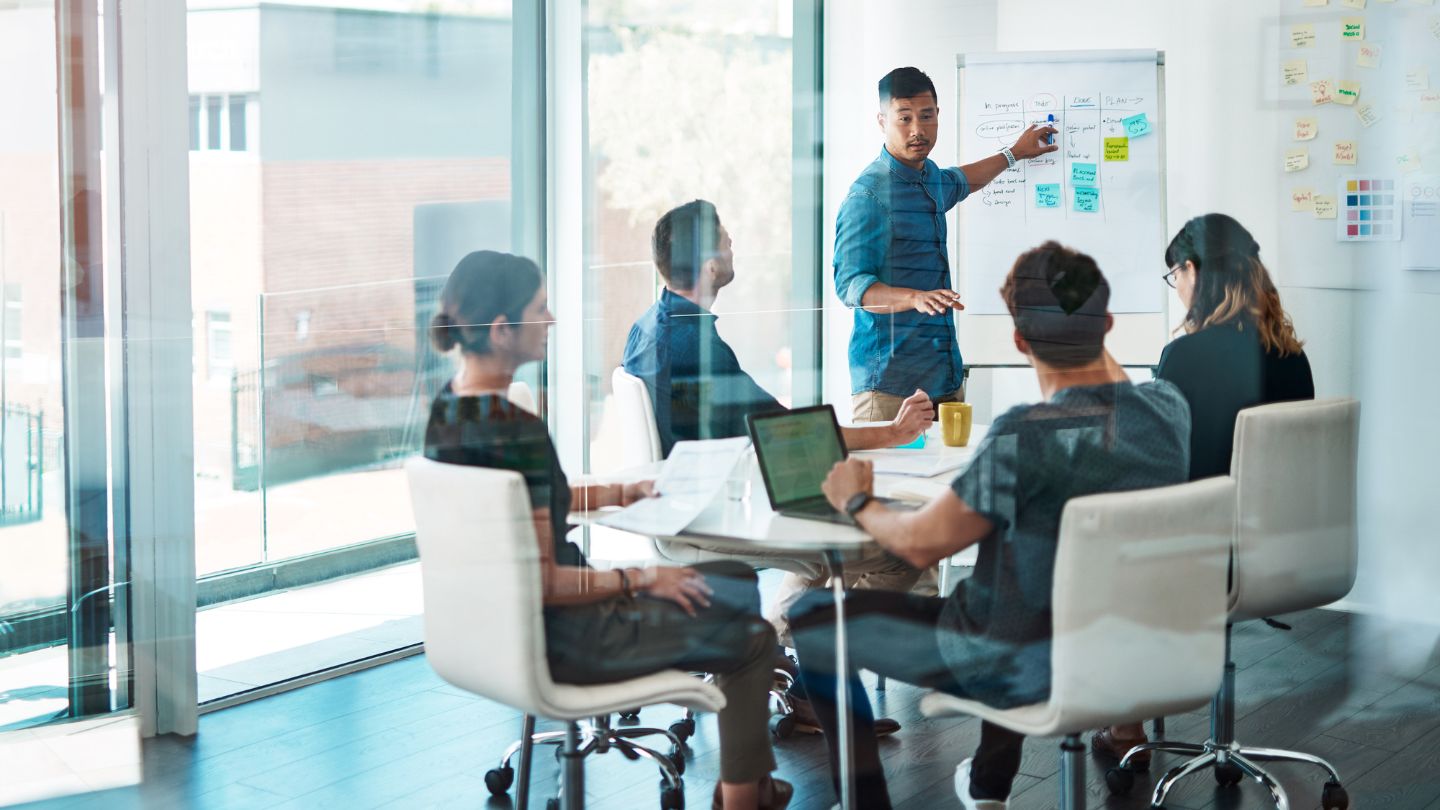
1306	128
1302	36
1347	93
1353	3
1352	27
1322	91
1408	161
1302	199
1297	159
1417	78
1368	55
1324	206
1293	71
1345	153
1367	115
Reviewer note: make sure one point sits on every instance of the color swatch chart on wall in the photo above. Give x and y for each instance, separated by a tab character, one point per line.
1369	210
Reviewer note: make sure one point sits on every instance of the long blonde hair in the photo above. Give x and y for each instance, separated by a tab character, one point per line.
1232	286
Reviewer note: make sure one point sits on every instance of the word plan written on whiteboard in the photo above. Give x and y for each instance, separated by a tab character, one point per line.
1101	192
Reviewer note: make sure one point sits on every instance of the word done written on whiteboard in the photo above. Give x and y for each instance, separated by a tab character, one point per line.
1099	192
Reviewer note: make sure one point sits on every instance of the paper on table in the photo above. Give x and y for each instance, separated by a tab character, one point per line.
693	476
914	466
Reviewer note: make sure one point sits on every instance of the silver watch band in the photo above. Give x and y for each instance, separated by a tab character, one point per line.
1009	157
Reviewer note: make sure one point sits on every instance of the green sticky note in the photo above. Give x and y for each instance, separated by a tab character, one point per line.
1082	174
1087	199
1136	125
1047	195
1117	149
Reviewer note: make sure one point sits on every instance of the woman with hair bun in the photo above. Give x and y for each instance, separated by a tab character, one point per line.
600	626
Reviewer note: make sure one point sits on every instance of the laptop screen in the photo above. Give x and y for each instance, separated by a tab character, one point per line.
796	451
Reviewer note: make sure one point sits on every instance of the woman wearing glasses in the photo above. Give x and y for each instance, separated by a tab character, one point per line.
1239	350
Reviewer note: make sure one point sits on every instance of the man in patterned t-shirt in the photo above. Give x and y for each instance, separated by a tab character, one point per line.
990	640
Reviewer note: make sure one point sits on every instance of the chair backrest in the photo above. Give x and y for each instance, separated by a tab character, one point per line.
522	397
1295	534
637	419
480	567
1139	602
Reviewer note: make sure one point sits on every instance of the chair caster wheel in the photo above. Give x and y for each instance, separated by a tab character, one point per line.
1334	797
683	729
1228	774
782	726
672	798
1119	781
629	715
677	758
552	803
499	780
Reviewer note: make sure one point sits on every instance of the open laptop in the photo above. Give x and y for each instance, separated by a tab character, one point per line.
796	450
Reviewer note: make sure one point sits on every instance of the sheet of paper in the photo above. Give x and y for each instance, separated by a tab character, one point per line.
1296	159
1408	161
913	465
1136	125
1117	150
1368	55
1367	114
1417	78
1325	206
1306	128
1302	199
1293	72
1087	199
1352	27
693	477
1047	195
1322	91
1302	36
1083	174
1420	246
1347	93
1345	153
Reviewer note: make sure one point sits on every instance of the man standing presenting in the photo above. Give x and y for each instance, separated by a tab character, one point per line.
891	263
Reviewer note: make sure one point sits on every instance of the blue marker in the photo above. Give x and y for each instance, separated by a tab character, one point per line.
1050	119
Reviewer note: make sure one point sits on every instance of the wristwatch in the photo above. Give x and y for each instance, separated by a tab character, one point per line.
1009	157
857	502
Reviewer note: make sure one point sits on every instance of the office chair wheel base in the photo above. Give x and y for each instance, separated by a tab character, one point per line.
1120	781
499	780
629	715
672	798
1334	797
1228	774
677	758
683	729
782	726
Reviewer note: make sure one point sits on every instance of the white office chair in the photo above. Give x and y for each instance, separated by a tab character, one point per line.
1295	546
522	397
1139	618
637	419
485	633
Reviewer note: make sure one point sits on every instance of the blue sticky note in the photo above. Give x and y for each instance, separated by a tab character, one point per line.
1087	199
1047	195
1136	125
1082	174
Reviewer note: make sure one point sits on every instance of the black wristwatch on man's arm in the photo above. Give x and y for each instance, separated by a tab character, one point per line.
857	502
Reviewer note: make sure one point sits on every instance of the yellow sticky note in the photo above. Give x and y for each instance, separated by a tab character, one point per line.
1324	206
1302	36
1117	149
1297	159
1408	161
1353	3
1293	71
1368	55
1347	93
1417	78
1430	101
1317	3
1322	91
1345	153
1367	114
1306	128
1302	199
1435	26
1352	27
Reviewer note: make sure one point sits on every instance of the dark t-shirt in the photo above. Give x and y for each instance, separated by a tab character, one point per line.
1221	371
996	627
490	431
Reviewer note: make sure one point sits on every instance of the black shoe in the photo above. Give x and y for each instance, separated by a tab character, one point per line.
807	723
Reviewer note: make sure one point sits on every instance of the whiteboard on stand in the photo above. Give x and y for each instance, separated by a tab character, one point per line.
1102	192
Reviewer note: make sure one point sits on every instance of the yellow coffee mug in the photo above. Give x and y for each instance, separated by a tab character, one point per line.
955	419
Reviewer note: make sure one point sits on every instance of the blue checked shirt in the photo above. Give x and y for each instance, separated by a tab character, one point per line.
891	228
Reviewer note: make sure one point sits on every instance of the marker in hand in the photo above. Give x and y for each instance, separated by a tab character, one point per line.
1050	119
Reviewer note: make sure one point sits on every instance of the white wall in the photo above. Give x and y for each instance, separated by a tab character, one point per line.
1223	151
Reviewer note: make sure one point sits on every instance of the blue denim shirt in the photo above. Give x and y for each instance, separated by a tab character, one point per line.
693	376
891	228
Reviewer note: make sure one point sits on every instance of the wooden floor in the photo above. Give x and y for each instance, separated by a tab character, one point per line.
396	736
